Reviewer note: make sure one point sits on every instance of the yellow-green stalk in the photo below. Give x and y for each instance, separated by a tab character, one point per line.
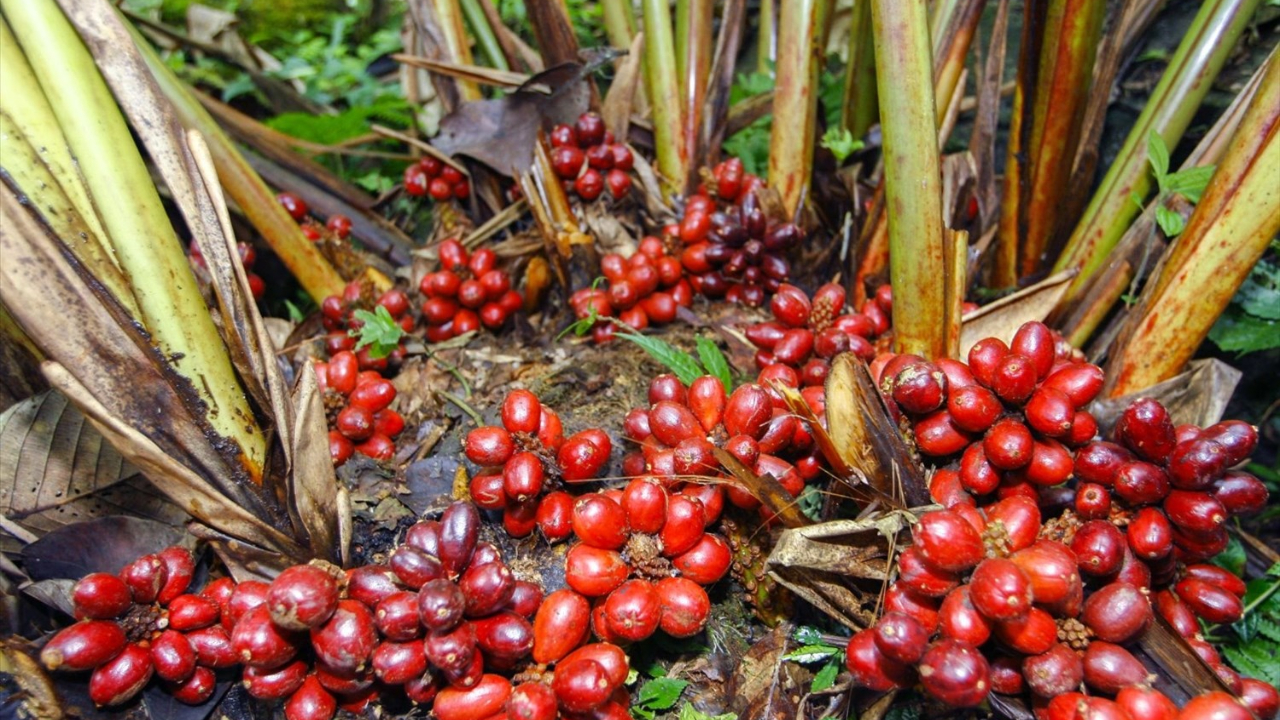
861	107
485	38
663	83
801	39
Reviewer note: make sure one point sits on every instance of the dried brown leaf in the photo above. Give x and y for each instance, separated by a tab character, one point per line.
313	486
765	687
50	456
34	696
1002	318
616	109
839	566
765	488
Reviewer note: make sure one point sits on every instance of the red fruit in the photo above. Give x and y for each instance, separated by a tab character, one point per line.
191	612
459	528
1008	445
959	620
871	668
1196	463
1215	705
1143	703
213	647
1035	341
955	673
487	492
487	588
275	683
453	652
1020	517
1237	437
145	576
396	663
1050	412
1051	568
1000	590
550	430
180	566
1209	601
198	688
594	572
984	357
1032	634
685	606
371	584
310	702
1145	428
790	305
486	698
1219	576
555	516
748	411
1055	672
583	455
645	503
600	522
83	646
1195	512
396	617
590	129
671	423
973	408
522	477
1240	493
922	578
976	474
1006	675
345	641
684	525
581	685
355	422
1108	668
560	625
172	656
258	642
489	446
1259	697
1150	534
633	610
1099	547
707	401
707	561
900	638
294	205
1141	483
118	680
373	396
1081	382
947	542
1098	462
302	597
920	388
938	435
898	599
1117	612
532	701
100	596
589	184
618	182
412	567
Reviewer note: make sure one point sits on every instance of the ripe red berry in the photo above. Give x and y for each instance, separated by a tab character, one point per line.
685	606
955	673
947	541
294	205
1117	612
1000	590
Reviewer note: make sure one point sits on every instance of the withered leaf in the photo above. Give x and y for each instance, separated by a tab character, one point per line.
1002	318
102	545
1198	396
764	687
768	490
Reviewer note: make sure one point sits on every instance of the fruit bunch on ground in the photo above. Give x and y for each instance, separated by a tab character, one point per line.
642	290
444	623
468	291
440	180
1056	550
337	224
732	249
359	406
588	161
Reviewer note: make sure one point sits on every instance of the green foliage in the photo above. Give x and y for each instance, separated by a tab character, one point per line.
841	143
689	712
815	649
352	122
1251	321
1251	645
657	695
677	361
380	332
1232	558
751	144
714	361
810	502
1189	183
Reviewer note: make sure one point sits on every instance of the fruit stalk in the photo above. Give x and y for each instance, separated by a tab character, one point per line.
801	34
449	14
485	38
662	80
1202	53
169	301
912	177
693	63
1237	217
860	109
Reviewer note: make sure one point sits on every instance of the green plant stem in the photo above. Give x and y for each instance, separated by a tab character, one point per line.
766	39
619	22
488	42
664	94
449	16
1203	51
693	63
801	34
135	221
861	107
913	193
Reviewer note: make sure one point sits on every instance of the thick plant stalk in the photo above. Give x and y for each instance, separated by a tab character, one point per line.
953	48
1017	171
664	94
767	37
313	271
1202	53
861	107
169	300
801	34
619	22
449	15
913	183
693	63
553	31
485	37
1236	219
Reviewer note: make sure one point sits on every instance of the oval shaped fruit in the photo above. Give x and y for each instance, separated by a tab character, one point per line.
1215	705
145	576
180	567
645	503
684	525
871	668
486	588
554	516
1195	512
1052	569
83	646
685	606
583	456
274	683
441	605
580	684
560	625
1099	547
100	596
346	640
1117	613
504	636
1052	673
1208	601
258	642
594	572
310	702
707	561
198	688
172	656
959	620
600	522
1109	668
955	673
302	597
1000	590
118	680
1150	534
900	637
633	610
947	541
1143	703
1031	634
921	577
484	699
748	411
1146	428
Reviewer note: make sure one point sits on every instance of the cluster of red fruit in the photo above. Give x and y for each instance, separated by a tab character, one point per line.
466	292
430	176
437	624
682	424
586	159
248	256
805	334
339	225
364	421
736	251
644	289
337	314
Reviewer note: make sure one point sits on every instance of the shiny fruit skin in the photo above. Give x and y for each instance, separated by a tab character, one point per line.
396	617
487	588
748	411
583	456
871	668
684	525
921	577
258	642
1215	575
198	688
1052	569
504	636
1141	483
1020	517
532	701
1215	705
172	656
1208	601
685	606
489	446
180	567
1081	382
441	605
947	541
1031	634
1000	590
633	611
302	597
973	408
1099	547
521	411
581	685
213	647
1108	668
959	620
275	683
487	697
1008	444
346	640
900	637
100	596
1259	697
707	561
1117	612
1144	703
396	663
522	477
1150	534
118	680
600	522
938	435
1146	428
955	673
310	702
459	529
645	503
1195	512
1052	673
707	401
560	625
145	576
555	516
83	646
594	572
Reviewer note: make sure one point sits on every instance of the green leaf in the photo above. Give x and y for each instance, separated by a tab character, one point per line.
661	693
1189	183
810	502
333	129
1238	331
841	143
295	315
1170	221
825	678
677	361
715	363
380	332
808	635
689	712
1232	558
1259	294
1158	156
811	653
